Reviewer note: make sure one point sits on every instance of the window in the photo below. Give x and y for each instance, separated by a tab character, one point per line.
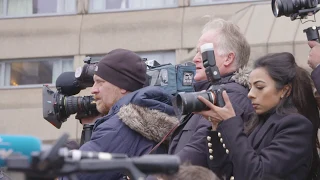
202	2
162	57
1	8
111	5
33	72
12	8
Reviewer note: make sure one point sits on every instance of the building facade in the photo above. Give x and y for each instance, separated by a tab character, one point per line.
40	39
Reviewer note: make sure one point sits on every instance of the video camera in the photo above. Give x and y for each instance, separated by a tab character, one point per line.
58	106
298	9
188	102
172	78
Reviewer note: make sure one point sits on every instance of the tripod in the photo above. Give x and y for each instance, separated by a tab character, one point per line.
86	133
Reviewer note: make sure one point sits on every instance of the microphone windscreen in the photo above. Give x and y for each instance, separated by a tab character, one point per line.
17	145
68	84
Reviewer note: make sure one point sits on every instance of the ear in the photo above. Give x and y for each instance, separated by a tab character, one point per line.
286	90
123	91
230	59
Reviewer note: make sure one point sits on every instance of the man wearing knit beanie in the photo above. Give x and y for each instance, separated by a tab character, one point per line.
117	73
135	118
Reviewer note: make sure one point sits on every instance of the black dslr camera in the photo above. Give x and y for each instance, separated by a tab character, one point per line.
298	9
189	102
58	106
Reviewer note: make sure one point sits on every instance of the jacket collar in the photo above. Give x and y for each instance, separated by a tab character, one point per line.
150	123
264	126
241	76
205	84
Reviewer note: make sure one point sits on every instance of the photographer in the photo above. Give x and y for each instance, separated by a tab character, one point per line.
135	118
280	140
231	52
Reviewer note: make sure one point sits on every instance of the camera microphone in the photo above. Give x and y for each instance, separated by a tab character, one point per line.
26	154
67	84
11	145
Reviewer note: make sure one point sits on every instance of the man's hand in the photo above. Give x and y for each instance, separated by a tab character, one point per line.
314	54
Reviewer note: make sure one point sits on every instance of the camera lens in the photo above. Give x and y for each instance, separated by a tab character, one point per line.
72	104
276	8
291	7
189	102
282	7
79	104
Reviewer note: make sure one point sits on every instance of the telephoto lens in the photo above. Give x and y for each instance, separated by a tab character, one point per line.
290	7
189	102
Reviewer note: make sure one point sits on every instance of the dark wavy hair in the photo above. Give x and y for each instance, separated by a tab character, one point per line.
283	69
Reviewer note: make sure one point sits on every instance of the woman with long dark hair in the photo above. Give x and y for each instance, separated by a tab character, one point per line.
280	140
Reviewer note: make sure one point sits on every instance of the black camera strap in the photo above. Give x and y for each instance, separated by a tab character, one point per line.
183	121
164	138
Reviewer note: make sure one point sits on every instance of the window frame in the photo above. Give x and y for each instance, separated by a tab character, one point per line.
192	3
90	10
145	54
5	15
58	60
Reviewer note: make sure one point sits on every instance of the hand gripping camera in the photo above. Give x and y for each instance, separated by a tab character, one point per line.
58	106
189	102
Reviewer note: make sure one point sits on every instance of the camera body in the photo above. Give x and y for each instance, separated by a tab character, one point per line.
84	74
172	78
188	102
58	106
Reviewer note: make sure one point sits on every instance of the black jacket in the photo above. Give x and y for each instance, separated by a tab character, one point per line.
280	148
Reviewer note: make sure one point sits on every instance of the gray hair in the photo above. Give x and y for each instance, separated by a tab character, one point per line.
229	39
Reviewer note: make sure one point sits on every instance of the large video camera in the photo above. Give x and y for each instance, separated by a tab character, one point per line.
188	102
298	9
58	106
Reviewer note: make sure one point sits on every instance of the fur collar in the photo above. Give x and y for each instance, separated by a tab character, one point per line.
242	76
150	123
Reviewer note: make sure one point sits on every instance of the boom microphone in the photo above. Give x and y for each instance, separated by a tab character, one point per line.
11	145
25	154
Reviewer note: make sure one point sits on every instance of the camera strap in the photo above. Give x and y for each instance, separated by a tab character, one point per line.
164	138
185	118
